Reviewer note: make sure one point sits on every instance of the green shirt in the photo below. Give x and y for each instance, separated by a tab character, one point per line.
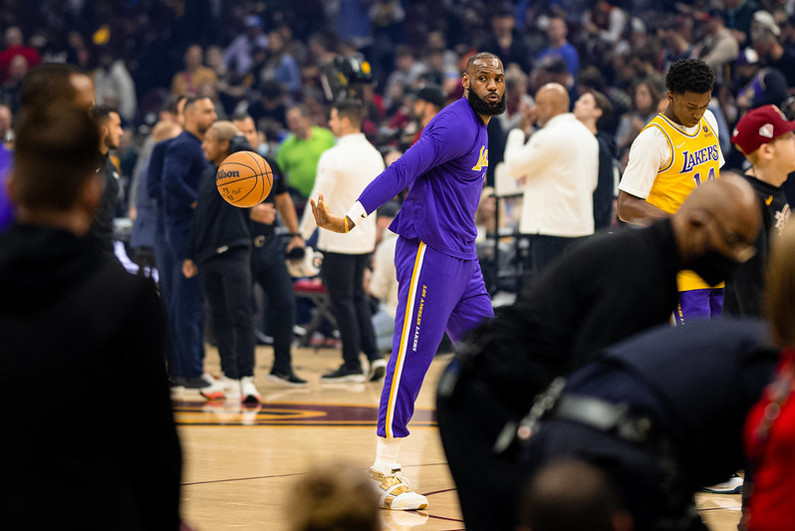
298	158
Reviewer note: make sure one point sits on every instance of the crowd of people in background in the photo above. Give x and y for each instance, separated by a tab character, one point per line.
265	60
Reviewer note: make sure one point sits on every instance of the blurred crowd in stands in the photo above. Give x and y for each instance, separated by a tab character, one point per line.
263	58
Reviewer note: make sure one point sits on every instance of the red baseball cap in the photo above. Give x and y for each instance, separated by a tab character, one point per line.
760	126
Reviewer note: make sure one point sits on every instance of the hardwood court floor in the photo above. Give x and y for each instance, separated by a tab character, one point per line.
240	462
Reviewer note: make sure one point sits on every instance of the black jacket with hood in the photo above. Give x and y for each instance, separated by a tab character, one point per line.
82	349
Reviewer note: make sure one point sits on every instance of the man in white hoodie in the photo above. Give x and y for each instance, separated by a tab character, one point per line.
343	172
559	167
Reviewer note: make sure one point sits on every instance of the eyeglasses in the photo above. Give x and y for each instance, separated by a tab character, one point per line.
743	249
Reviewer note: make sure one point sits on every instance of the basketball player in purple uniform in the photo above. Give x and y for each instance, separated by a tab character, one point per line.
441	287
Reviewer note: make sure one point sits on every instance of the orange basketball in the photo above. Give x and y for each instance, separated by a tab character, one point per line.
244	179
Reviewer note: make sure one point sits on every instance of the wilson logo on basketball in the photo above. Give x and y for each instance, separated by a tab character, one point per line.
224	174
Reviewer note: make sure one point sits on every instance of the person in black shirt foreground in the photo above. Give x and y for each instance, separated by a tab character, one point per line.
117	464
607	288
661	414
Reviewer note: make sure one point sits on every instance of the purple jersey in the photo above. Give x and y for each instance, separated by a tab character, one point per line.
444	172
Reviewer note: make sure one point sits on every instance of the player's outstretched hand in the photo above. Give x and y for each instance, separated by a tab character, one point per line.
324	218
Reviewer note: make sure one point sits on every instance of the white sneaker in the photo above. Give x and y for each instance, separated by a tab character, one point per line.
231	388
248	391
734	485
395	493
177	392
215	389
377	370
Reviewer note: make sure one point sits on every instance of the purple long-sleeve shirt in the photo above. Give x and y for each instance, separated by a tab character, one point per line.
444	172
6	208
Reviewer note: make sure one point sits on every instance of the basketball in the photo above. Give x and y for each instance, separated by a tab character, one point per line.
244	179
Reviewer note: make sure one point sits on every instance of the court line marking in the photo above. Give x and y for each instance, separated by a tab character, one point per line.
268	476
230	480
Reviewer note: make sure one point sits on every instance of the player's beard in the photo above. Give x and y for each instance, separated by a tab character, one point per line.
483	107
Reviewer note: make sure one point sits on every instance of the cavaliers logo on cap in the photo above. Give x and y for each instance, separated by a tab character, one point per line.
766	131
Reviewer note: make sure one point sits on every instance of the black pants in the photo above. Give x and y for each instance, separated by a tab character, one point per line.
470	422
270	272
542	251
343	275
226	280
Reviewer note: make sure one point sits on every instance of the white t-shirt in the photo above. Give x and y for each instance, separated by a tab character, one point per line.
343	172
561	166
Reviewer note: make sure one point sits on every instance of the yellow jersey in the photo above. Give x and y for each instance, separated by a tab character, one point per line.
694	159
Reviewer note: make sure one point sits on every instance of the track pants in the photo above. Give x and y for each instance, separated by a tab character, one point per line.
436	293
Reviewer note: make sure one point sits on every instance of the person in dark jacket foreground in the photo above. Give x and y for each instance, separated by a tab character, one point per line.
661	414
111	459
604	290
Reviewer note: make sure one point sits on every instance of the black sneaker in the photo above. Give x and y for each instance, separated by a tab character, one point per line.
344	374
199	382
286	379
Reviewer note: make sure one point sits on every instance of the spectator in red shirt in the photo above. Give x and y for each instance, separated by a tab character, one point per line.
770	427
15	45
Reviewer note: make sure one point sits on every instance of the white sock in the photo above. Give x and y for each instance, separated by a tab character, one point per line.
387	453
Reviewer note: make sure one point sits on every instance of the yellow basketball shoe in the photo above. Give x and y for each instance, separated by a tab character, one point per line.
395	493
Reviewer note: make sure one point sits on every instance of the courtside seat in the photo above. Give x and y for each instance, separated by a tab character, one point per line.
313	289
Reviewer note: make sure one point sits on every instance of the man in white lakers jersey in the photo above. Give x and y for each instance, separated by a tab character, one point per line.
675	152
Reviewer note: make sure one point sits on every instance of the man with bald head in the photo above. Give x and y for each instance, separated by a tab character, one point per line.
441	286
606	289
559	167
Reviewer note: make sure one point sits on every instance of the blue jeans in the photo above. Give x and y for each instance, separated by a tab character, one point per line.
186	315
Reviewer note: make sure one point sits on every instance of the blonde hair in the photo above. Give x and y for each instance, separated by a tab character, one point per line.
780	289
225	130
